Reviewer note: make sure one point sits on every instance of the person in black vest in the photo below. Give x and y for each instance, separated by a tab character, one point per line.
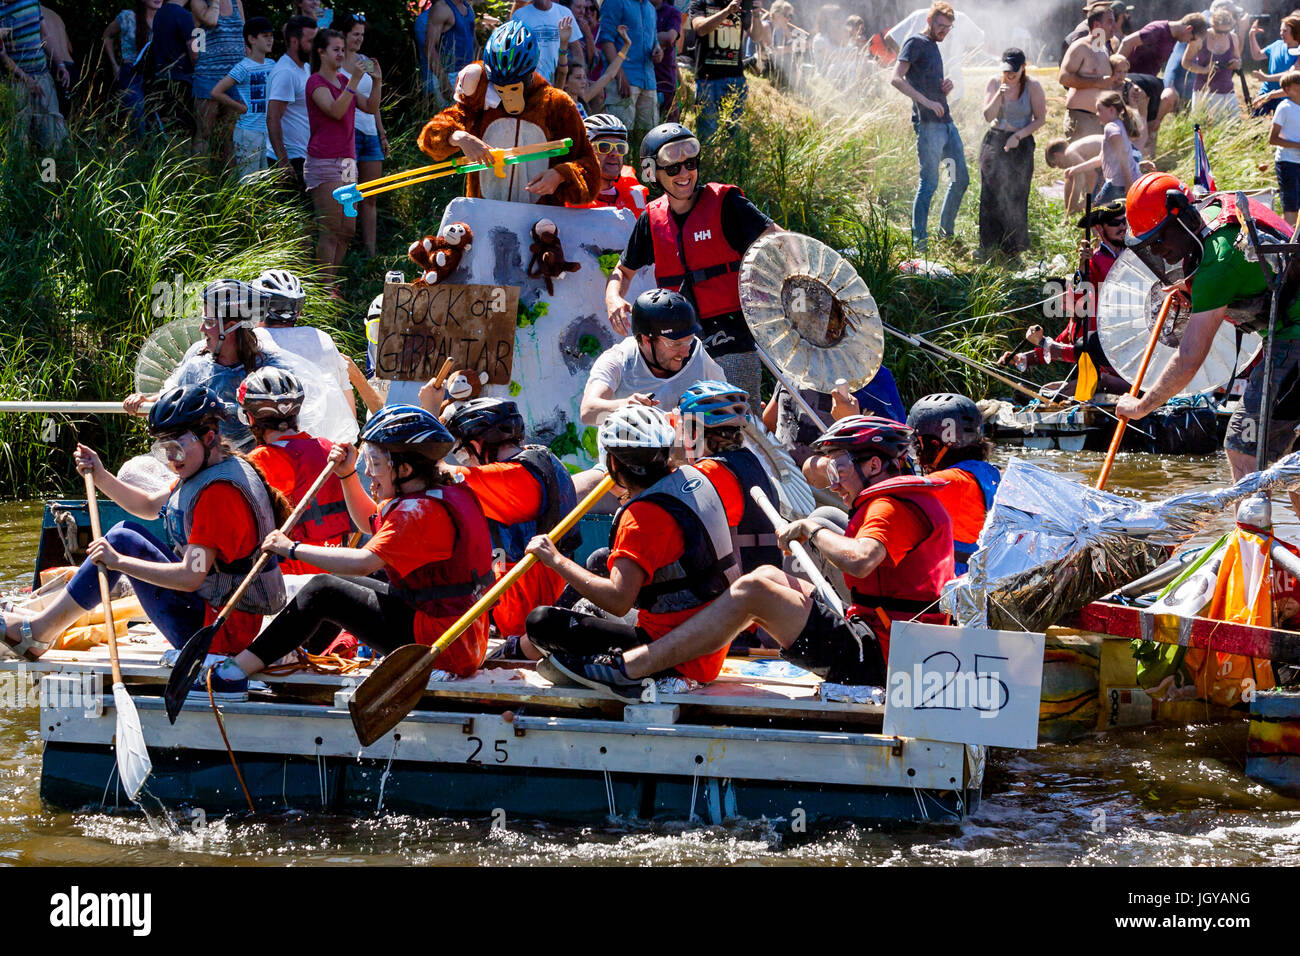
695	236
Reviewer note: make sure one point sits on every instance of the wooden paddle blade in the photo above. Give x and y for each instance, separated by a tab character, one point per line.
390	692
186	670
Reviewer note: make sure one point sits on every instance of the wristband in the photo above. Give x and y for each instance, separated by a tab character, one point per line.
293	550
348	475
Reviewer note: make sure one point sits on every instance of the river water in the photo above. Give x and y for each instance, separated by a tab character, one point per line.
1163	796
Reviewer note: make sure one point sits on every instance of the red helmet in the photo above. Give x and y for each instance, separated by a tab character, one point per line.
1150	206
863	435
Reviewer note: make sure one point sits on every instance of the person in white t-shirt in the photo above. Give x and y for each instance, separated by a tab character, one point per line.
542	17
251	77
1285	135
287	128
964	36
311	354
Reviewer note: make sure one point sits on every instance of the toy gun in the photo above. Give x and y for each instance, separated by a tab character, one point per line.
350	195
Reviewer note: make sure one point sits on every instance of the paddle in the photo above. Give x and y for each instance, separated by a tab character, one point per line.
394	687
1121	423
133	764
797	548
190	660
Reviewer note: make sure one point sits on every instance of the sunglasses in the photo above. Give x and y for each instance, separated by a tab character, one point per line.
359	17
173	449
605	146
672	170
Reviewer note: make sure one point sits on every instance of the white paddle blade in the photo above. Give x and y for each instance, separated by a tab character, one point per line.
133	764
792	488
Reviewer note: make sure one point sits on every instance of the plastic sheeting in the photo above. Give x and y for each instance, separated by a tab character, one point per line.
1051	545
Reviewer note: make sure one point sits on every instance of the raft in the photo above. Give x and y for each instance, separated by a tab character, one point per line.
758	743
1180	428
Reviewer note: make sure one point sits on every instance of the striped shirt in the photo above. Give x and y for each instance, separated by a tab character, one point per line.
24	44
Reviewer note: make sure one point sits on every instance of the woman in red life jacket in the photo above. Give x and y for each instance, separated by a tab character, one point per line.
895	556
430	539
524	491
670	552
269	402
215	514
952	449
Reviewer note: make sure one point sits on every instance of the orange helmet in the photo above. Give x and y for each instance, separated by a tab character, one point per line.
1152	202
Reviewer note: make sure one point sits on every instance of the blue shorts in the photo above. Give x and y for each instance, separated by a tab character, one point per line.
1288	184
368	149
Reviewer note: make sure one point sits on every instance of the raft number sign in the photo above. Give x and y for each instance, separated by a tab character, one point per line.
965	685
423	325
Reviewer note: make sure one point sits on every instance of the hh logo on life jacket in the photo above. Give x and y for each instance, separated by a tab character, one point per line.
702	236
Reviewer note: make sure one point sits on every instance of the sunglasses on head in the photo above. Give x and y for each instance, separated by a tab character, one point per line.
604	146
675	168
359	17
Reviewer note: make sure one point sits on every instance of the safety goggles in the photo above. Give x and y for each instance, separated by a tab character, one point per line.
375	459
837	465
606	146
173	449
676	152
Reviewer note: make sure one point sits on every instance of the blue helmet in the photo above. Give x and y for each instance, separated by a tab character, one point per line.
408	428
184	407
715	403
510	54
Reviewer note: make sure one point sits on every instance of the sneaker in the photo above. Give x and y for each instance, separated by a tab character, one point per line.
597	671
228	688
507	650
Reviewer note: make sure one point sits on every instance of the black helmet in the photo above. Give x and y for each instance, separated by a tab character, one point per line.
183	408
657	139
664	312
235	302
950	419
493	421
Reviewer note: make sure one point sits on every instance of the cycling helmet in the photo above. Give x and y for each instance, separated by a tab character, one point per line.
638	437
510	54
234	303
285	295
270	396
491	421
952	420
184	408
865	436
664	145
664	312
605	124
408	428
715	403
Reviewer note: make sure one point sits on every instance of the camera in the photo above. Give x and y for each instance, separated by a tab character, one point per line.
1263	18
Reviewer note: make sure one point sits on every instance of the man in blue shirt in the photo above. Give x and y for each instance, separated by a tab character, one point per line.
637	104
918	75
24	60
171	65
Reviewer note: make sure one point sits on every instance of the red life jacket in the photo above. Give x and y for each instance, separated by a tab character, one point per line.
628	194
967	503
444	590
696	259
901	592
326	521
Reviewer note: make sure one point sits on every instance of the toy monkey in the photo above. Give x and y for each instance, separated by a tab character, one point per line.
439	256
548	260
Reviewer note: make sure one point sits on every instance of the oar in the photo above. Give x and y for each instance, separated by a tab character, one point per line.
1120	422
828	593
394	688
133	764
190	660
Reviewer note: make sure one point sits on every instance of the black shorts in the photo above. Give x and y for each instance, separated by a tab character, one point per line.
827	647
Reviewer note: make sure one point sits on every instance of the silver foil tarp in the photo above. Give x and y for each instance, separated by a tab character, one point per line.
1050	545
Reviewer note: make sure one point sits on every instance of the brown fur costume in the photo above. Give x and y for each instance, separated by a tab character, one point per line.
545	106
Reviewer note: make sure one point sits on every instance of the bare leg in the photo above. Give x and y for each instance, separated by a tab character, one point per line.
778	602
584	482
205	115
1243	465
366	171
322	197
47	624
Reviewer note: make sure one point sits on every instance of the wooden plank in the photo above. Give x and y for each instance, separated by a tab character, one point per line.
1262	642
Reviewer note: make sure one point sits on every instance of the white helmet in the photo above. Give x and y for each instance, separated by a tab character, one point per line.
286	295
638	437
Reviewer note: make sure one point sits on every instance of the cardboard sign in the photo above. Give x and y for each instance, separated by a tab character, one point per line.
422	325
964	685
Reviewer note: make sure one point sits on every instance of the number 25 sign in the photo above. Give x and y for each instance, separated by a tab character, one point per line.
964	685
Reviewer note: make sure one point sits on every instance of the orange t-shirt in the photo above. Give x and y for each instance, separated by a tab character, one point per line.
277	468
963	499
408	537
510	494
224	522
900	527
649	537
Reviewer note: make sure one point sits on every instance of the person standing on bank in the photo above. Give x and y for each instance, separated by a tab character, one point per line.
918	75
1015	106
695	237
